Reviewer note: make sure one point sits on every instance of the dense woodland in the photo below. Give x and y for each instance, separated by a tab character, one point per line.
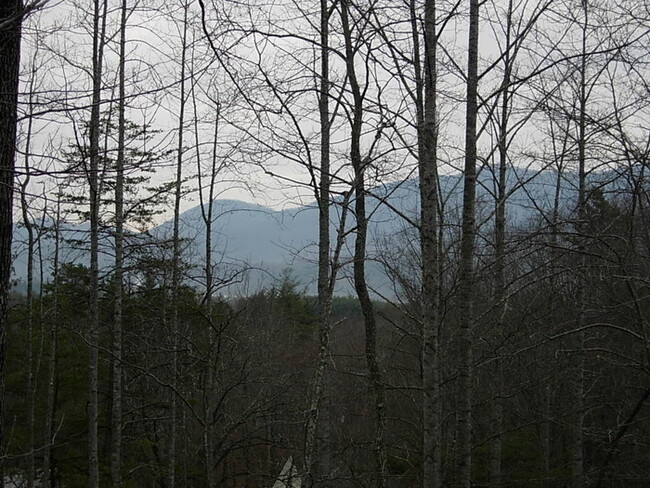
514	349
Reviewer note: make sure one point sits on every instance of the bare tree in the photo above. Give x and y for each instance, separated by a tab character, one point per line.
577	464
359	165
10	21
176	259
428	178
326	275
30	392
116	416
98	32
467	282
50	413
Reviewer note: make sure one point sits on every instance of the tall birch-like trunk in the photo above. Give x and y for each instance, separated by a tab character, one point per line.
99	27
116	417
428	176
176	264
324	270
359	165
467	280
9	69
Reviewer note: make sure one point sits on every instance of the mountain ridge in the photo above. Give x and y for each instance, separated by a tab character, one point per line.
270	240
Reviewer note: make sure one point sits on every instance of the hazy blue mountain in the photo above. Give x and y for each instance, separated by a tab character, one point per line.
248	235
277	239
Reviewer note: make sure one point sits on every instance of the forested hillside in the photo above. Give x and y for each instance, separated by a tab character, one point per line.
440	276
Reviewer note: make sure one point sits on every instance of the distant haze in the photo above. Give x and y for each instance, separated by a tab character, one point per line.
271	241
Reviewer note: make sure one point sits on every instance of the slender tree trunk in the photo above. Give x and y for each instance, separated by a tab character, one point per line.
48	453
577	462
359	165
116	451
176	263
99	26
212	340
207	215
500	256
29	226
467	280
9	69
500	303
29	383
555	219
428	175
324	270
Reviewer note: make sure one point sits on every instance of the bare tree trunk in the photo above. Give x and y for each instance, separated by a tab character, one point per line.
208	218
116	417
324	270
500	256
500	302
559	156
99	27
428	175
359	165
209	281
176	263
29	226
577	462
48	482
466	284
9	67
29	383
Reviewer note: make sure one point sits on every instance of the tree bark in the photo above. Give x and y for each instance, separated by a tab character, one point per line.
359	165
207	215
500	256
116	417
428	176
99	27
176	265
9	68
324	269
467	280
48	454
577	455
29	226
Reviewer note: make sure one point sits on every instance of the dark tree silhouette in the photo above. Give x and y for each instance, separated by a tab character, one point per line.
10	15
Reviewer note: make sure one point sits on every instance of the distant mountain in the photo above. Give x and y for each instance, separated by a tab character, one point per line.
274	240
248	235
